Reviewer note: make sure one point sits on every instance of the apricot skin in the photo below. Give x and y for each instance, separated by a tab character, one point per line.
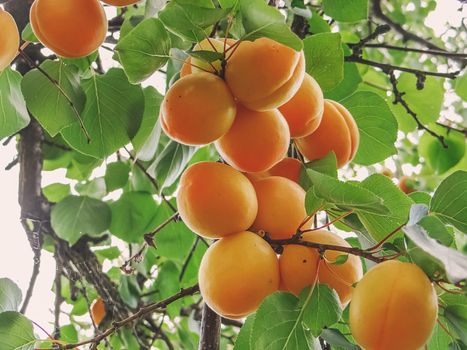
281	206
304	110
120	2
337	132
98	311
9	39
70	28
264	74
394	306
237	273
256	141
198	109
289	168
298	266
215	200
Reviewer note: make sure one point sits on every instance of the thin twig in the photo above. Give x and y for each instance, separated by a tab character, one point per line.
412	49
188	258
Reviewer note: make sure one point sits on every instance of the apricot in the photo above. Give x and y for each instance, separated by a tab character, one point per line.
337	132
120	2
237	273
264	74
281	206
407	184
394	306
98	311
289	168
186	68
215	200
304	110
199	65
70	28
256	141
298	266
197	109
9	40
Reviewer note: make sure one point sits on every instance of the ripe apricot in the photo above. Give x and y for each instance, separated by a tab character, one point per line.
197	109
9	40
237	273
304	110
288	167
264	74
298	266
186	68
120	2
256	141
215	200
337	132
281	206
70	28
98	311
394	306
200	65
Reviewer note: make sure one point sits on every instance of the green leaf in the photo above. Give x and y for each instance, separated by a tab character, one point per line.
461	86
175	241
16	332
318	24
129	290
170	163
147	138
69	334
326	165
28	35
377	126
167	284
456	316
335	338
13	112
110	253
433	91
322	308
132	216
10	295
345	195
153	6
313	202
439	340
95	188
116	175
278	325
260	20
56	192
191	21
206	56
75	216
398	203
144	50
449	202
324	59
419	197
439	158
243	340
45	100
82	63
111	115
346	10
348	85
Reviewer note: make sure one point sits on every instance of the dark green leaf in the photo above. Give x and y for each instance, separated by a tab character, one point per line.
167	284
348	85
16	332
10	295
243	339
318	24
456	316
116	175
346	10
336	339
28	35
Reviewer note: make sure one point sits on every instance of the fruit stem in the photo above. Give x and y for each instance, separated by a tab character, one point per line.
329	223
375	247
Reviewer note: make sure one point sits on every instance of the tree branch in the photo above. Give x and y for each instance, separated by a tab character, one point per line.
411	49
210	330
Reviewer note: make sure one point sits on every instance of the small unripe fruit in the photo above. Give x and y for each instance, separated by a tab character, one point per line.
9	39
237	273
394	306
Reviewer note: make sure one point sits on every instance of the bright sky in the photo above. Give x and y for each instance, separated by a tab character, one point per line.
15	253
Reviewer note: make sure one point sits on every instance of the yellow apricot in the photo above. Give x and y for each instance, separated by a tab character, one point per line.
237	273
70	28
256	141
289	168
120	2
200	65
9	39
298	266
197	109
98	311
264	74
304	110
186	68
215	200
337	132
394	306
281	206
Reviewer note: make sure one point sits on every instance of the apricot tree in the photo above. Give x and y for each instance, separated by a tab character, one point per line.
238	174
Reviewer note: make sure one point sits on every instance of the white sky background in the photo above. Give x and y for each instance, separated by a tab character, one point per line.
15	252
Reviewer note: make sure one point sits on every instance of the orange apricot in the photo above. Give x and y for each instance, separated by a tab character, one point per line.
394	306
298	266
200	65
215	200
287	167
98	311
186	68
264	74
198	109
281	206
237	273
120	2
70	28
304	110
9	39
256	141
337	132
